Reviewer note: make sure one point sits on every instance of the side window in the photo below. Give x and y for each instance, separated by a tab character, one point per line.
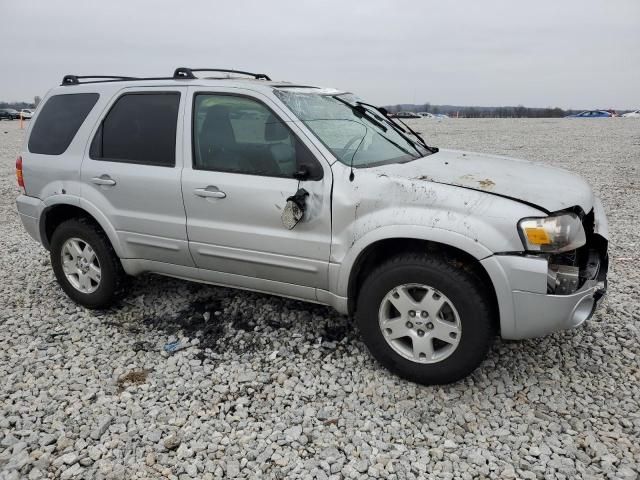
240	135
139	128
59	121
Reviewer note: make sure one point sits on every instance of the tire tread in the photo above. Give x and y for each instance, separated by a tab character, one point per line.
471	284
90	229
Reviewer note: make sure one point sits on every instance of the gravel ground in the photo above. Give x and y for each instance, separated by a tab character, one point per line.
277	388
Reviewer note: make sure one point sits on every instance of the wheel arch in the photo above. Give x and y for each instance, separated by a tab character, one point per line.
56	213
382	249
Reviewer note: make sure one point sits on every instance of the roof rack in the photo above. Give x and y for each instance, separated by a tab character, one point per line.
181	73
187	73
75	79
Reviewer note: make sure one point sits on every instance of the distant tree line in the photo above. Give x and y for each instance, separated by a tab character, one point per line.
483	112
21	105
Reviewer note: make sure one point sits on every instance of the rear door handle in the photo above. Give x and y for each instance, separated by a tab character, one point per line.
103	180
209	192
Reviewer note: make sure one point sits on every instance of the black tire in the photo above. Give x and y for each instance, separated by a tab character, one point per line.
459	285
111	269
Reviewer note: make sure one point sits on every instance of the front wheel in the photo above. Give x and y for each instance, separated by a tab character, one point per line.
84	263
425	318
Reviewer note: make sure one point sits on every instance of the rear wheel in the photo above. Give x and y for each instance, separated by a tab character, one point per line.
85	265
425	318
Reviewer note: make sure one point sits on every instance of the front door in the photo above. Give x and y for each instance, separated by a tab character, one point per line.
236	186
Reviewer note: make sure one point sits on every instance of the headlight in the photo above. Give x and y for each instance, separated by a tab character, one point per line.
553	234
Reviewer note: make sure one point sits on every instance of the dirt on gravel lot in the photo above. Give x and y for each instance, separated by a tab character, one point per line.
276	388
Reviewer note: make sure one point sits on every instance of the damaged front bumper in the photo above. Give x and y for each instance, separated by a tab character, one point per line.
540	314
539	297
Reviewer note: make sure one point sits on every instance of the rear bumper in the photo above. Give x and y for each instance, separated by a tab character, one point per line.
30	209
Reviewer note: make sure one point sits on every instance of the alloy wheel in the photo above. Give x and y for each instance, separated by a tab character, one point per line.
81	265
420	323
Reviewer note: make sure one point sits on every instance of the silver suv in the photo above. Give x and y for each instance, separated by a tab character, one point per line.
309	193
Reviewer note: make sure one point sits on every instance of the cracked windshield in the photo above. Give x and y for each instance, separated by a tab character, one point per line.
356	135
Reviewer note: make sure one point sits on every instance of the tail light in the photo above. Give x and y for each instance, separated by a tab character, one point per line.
19	176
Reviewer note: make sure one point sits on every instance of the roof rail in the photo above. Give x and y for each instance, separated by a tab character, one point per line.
187	73
181	73
75	79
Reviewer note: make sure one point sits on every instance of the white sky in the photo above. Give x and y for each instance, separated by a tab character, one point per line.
566	53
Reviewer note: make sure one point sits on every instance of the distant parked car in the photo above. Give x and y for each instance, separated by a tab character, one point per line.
26	113
592	114
436	116
9	114
405	115
634	114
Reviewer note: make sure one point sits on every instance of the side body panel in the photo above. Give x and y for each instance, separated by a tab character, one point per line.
48	176
375	207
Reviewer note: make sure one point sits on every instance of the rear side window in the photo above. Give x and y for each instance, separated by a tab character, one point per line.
59	121
139	128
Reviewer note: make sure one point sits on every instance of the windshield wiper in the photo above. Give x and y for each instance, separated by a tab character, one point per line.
419	137
396	126
362	112
401	130
399	147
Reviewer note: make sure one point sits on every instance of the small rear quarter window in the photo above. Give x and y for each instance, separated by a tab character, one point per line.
59	121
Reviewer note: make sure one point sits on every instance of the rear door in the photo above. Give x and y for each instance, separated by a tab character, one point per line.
131	172
236	182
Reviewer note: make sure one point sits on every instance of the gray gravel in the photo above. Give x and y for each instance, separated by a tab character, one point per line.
277	388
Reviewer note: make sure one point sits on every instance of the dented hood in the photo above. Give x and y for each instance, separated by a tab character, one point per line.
546	187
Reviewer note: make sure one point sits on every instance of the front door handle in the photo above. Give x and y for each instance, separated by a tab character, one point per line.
209	192
103	180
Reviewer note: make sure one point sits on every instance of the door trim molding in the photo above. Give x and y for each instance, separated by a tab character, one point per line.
298	292
248	256
147	241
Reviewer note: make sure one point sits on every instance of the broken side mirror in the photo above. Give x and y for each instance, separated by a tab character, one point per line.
294	209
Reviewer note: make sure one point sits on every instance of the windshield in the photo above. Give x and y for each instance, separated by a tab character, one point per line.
362	138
